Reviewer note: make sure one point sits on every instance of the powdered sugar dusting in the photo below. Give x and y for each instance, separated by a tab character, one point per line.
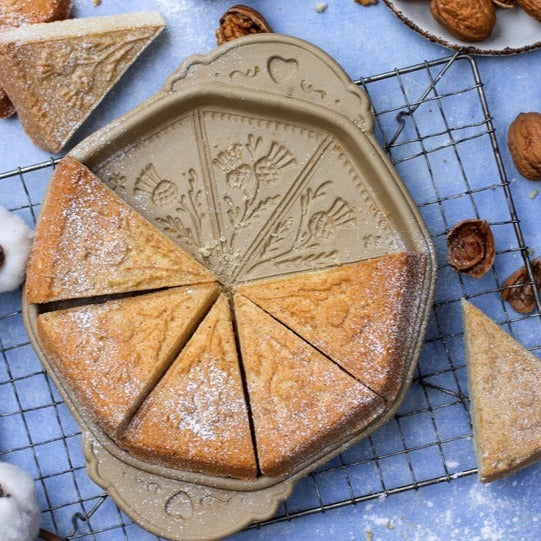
299	399
358	314
102	245
200	413
109	354
197	418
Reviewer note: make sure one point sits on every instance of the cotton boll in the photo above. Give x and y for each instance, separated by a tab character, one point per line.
16	240
20	515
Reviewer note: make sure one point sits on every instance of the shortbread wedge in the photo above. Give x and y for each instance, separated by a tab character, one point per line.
14	13
111	355
196	418
300	400
504	382
57	73
89	242
357	314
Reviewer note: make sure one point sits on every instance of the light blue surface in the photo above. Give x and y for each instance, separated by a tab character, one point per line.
365	41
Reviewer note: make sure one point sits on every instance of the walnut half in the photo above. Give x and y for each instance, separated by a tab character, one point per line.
470	244
517	289
239	21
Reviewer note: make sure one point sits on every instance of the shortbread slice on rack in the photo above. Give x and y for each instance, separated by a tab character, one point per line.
504	382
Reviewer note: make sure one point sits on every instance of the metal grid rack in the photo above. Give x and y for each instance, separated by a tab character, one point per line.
431	118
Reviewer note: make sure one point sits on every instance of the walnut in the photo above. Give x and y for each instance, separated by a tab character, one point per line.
471	248
517	289
2	256
468	20
531	7
239	21
524	140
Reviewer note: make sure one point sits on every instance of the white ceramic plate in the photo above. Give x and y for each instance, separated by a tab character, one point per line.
515	31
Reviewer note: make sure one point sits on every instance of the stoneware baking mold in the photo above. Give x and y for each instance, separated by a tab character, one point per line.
271	135
515	31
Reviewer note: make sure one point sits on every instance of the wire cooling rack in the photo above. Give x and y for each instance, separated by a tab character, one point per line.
434	122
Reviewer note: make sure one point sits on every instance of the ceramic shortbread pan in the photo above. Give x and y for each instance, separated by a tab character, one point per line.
259	160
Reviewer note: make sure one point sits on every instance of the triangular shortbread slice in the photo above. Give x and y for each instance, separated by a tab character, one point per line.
89	242
504	382
300	400
57	73
359	314
111	355
196	418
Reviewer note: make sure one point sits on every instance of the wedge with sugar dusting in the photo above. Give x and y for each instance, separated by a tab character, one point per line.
357	314
112	354
57	73
89	243
504	382
197	418
300	400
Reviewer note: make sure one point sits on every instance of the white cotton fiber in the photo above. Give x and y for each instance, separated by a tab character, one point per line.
20	515
16	240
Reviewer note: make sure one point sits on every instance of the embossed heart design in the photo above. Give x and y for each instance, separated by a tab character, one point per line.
179	505
281	69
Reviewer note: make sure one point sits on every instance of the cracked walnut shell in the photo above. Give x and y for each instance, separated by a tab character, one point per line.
517	289
468	20
524	140
239	21
471	247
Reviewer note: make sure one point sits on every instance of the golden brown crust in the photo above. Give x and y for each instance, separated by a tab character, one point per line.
300	400
56	73
89	242
357	314
468	20
196	418
112	354
504	382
